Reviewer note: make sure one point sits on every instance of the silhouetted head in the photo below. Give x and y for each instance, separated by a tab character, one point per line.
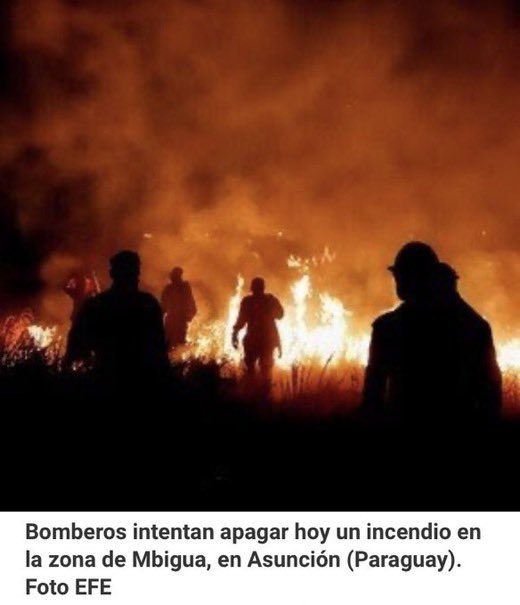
257	286
413	270
125	267
445	281
176	274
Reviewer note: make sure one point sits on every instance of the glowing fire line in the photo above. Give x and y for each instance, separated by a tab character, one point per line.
316	330
324	337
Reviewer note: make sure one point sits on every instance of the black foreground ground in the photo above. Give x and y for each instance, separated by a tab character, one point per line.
191	442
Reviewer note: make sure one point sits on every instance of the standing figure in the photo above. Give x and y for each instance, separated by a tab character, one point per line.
80	287
179	308
433	356
259	312
121	329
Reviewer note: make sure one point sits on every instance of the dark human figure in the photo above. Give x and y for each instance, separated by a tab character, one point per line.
433	356
121	329
445	289
80	287
179	308
259	312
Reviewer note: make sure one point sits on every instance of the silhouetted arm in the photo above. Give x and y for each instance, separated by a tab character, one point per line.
278	311
240	323
242	317
157	334
79	341
490	391
191	304
374	389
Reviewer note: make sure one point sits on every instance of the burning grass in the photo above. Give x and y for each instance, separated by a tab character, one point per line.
22	340
320	369
306	386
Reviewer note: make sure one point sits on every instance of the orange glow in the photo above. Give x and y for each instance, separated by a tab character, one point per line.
315	332
315	329
508	354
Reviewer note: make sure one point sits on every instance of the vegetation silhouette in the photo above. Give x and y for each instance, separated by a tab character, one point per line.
143	434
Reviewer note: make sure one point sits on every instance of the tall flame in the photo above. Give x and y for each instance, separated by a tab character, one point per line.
315	328
315	331
42	337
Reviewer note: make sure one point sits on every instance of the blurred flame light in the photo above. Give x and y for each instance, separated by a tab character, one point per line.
42	337
508	355
315	328
315	331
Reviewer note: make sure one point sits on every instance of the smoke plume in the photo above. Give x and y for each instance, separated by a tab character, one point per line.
225	135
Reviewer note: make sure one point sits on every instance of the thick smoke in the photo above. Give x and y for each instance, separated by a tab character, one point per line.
225	135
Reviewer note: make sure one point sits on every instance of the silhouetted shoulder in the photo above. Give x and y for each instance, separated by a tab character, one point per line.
472	319
272	300
388	320
92	304
98	305
147	299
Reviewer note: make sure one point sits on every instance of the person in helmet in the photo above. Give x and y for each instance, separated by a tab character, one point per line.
433	356
258	314
179	308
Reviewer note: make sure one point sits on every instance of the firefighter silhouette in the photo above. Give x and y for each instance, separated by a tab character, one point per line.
121	329
445	284
179	308
258	314
432	357
80	287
